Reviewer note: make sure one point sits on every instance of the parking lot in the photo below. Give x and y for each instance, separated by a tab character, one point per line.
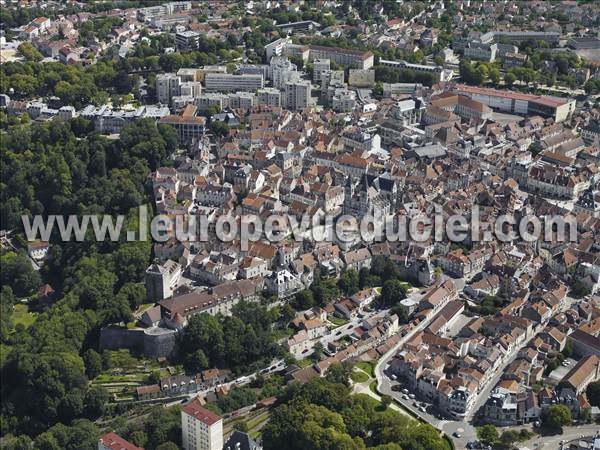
560	372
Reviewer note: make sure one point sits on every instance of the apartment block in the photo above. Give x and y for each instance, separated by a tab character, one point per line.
269	97
201	429
112	441
320	65
342	56
297	95
227	82
167	87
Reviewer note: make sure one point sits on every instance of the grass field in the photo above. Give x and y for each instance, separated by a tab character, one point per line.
373	387
359	376
337	321
21	315
368	367
305	362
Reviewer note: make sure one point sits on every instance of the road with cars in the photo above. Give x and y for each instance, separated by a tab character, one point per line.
463	433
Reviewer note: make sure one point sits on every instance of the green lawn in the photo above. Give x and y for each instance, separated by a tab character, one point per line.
282	333
373	387
337	321
21	315
359	376
257	420
144	306
368	367
305	362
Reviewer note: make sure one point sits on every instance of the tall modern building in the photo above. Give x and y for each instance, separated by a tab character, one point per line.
297	94
201	429
320	65
167	87
269	97
281	70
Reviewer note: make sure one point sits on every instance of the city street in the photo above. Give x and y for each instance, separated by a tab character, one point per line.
452	428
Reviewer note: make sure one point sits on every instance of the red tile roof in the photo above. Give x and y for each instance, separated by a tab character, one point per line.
195	409
116	442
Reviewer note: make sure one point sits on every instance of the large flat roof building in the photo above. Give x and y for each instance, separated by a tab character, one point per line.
518	103
342	56
227	82
439	73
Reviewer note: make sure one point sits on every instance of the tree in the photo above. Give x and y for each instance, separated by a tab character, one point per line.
18	273
339	373
557	416
138	438
567	351
510	79
288	313
488	433
536	147
325	290
386	400
29	52
304	300
469	74
167	446
593	393
93	363
198	361
494	76
509	437
95	402
349	282
219	128
392	292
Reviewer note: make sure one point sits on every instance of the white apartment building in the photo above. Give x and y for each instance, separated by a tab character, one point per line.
191	88
242	100
343	100
269	97
167	87
281	70
297	95
320	65
481	52
208	99
187	40
147	14
227	82
331	78
201	429
275	48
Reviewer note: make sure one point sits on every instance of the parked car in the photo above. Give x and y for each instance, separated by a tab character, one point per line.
456	434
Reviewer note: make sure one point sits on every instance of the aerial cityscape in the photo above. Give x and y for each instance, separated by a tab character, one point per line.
299	224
